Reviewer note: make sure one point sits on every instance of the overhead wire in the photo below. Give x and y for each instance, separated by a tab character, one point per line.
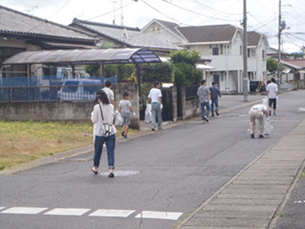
101	15
222	19
59	9
161	12
217	11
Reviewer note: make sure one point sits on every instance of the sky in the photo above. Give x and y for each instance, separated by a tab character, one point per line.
262	15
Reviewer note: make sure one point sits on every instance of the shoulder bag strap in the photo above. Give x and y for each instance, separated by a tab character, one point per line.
101	111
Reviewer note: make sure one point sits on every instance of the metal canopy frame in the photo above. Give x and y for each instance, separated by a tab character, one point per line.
86	56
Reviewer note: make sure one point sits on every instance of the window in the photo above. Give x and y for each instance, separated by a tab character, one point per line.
251	53
215	51
70	86
263	54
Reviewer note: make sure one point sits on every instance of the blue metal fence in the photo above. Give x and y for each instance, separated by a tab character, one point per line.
28	89
27	81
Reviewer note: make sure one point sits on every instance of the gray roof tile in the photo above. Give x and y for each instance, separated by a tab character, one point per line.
14	22
211	33
128	35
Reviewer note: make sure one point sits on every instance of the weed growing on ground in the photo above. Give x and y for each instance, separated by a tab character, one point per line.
22	141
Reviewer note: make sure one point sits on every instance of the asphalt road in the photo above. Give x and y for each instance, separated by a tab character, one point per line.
160	177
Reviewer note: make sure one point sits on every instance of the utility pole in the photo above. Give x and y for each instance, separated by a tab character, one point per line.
279	67
245	54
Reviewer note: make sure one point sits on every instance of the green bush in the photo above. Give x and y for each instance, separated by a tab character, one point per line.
163	72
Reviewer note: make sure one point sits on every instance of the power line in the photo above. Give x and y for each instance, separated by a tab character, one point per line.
161	12
101	15
222	19
217	11
60	9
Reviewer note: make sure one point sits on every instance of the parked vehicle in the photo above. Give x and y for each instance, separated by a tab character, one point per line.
79	89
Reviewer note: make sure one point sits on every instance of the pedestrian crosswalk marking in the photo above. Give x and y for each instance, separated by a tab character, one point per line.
159	215
24	210
98	213
112	213
68	211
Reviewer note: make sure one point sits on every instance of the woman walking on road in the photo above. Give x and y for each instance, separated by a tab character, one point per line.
103	113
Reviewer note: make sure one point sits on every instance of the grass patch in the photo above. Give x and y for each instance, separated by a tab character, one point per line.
29	140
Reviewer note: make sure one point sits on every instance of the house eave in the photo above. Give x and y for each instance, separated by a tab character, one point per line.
205	43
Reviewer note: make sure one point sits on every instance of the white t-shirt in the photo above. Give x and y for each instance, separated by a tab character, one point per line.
259	107
109	93
272	89
96	117
154	95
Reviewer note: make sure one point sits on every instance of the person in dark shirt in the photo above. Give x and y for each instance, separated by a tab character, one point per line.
215	93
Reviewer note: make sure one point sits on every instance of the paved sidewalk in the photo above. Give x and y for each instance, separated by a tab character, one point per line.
256	196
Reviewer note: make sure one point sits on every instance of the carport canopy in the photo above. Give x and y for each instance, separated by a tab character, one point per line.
86	56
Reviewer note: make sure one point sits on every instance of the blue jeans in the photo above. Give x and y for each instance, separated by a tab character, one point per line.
214	102
156	113
207	105
98	148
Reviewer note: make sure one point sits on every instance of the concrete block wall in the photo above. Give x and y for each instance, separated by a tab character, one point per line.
65	111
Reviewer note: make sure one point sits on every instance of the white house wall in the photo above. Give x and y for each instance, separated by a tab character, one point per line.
230	62
257	65
158	31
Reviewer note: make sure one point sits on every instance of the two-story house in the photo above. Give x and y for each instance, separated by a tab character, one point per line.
223	44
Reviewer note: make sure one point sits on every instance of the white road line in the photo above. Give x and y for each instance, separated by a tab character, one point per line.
112	213
68	211
159	215
115	213
23	210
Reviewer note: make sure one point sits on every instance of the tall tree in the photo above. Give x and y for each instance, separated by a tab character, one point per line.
185	71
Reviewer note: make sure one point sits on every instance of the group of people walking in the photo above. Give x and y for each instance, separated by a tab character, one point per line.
208	97
105	110
103	116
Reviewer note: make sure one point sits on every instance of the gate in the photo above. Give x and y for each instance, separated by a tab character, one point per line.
167	100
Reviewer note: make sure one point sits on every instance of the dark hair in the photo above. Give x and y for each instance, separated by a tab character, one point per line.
157	83
213	83
273	80
203	81
101	94
108	83
125	94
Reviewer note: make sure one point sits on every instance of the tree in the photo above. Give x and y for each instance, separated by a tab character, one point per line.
162	72
297	55
93	69
272	65
185	71
123	71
